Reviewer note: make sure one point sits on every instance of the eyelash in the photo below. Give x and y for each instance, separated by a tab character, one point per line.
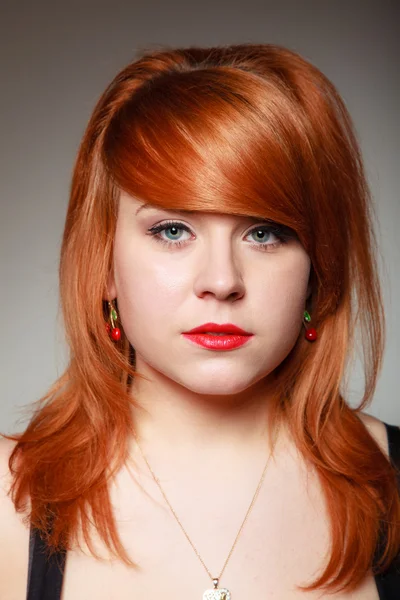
278	231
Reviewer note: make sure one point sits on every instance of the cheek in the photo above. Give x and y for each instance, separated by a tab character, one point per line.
285	282
148	292
281	298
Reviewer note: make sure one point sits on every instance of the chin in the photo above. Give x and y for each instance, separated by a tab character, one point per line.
218	384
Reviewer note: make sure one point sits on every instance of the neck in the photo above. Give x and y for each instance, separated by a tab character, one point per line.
170	418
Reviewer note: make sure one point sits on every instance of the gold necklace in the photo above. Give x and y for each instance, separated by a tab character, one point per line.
216	593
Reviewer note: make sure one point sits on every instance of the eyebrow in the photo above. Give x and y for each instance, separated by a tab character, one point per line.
143	206
146	205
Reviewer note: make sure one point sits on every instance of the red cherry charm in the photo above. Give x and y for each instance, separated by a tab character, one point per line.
116	334
108	328
311	334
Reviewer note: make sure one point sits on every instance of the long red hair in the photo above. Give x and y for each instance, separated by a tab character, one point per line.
244	129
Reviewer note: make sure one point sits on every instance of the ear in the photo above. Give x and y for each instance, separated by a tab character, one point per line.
311	279
111	289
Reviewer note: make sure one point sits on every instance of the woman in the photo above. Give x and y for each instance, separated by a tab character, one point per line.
218	232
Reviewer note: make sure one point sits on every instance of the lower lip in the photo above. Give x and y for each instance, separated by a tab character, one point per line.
218	342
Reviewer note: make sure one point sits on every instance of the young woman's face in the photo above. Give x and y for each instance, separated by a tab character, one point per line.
177	271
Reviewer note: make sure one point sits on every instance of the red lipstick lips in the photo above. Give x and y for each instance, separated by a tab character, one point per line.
230	336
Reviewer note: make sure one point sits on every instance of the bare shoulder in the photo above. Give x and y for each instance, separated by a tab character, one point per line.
14	534
377	429
6	505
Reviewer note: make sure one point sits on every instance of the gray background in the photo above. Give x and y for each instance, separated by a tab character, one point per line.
56	59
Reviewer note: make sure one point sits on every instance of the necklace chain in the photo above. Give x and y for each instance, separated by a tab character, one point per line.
182	527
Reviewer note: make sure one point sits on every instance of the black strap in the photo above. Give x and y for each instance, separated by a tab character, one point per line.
45	572
388	583
393	433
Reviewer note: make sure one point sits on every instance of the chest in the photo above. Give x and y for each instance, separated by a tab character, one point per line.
283	543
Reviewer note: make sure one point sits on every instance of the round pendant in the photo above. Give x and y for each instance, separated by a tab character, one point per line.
217	594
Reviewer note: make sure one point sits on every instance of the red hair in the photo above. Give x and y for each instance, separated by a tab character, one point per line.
245	129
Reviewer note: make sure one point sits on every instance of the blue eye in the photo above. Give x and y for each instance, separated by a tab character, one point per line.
174	230
260	233
171	228
172	237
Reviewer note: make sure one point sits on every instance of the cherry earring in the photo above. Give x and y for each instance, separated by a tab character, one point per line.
112	330
311	333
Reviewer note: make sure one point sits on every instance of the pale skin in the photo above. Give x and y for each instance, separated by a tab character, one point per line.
203	427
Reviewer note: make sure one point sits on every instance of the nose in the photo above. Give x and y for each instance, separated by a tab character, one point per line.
218	273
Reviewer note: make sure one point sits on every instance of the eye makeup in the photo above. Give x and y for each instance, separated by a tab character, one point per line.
281	233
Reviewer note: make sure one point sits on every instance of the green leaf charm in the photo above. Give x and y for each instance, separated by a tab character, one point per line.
307	316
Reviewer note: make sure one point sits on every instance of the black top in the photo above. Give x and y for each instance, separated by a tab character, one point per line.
45	575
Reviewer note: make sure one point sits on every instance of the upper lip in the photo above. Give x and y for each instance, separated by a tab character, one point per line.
219	328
